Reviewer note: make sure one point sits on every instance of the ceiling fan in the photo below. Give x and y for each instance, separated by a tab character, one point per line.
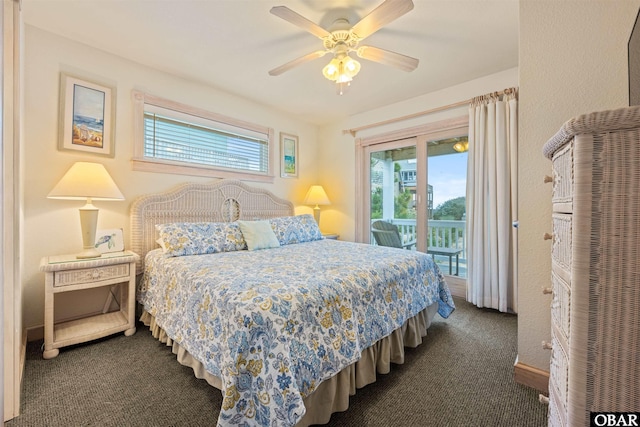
342	39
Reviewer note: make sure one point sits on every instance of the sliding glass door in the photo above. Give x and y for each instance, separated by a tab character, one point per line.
415	198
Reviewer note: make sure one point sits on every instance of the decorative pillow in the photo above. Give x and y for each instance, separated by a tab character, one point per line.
258	235
196	238
296	229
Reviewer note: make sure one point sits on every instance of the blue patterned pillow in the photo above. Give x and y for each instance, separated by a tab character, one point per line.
296	229
197	238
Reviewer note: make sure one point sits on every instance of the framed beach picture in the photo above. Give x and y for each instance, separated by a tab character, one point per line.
109	240
288	155
87	113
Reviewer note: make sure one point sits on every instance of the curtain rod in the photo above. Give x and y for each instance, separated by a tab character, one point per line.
353	131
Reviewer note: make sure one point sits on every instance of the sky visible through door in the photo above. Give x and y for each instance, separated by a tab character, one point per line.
448	176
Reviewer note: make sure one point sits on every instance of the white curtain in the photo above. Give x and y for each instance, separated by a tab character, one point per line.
492	201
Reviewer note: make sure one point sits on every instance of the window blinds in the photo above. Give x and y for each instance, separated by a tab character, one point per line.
190	141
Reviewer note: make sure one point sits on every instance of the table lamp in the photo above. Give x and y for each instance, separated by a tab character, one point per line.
87	181
316	196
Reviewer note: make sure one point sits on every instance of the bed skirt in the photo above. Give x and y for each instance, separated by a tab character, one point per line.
332	395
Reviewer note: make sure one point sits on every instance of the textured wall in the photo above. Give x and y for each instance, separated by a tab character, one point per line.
573	60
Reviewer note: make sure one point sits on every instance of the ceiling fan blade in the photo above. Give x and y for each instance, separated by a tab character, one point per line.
299	20
387	57
388	11
289	65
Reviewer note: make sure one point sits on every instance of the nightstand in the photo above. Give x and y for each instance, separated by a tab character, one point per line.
66	273
331	236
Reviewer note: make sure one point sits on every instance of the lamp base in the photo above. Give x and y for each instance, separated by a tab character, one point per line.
89	253
88	223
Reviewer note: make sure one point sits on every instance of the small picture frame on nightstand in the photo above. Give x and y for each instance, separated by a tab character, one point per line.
110	240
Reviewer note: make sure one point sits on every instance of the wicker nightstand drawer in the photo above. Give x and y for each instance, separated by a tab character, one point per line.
89	275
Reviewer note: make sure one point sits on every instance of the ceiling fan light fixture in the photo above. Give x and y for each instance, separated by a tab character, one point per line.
341	69
351	66
331	70
344	78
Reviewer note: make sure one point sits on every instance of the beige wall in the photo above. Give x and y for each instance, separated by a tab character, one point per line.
337	150
52	226
573	60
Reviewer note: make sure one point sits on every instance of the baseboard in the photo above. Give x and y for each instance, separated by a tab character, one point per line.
531	377
35	333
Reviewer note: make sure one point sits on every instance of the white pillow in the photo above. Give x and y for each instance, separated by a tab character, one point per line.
258	235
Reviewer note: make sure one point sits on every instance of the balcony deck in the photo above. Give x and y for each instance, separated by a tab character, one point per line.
446	242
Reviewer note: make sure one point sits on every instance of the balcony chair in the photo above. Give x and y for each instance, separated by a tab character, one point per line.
387	234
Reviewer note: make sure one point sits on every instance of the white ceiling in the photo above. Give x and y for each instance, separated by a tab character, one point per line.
232	44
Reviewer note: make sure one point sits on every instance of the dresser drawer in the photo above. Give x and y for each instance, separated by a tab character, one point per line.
559	373
90	275
557	412
561	306
562	196
561	248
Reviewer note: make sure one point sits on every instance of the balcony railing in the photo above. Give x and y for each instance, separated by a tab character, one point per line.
443	235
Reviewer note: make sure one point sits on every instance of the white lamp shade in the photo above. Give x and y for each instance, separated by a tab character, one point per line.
85	180
316	196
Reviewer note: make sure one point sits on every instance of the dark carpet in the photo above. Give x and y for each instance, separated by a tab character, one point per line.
461	376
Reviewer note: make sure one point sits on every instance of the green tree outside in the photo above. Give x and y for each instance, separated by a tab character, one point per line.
376	203
401	206
451	209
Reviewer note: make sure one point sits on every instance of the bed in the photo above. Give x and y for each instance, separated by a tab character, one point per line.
289	332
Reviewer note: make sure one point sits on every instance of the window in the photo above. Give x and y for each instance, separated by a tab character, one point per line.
175	138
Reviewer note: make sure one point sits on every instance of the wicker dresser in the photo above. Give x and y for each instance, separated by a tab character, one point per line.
595	307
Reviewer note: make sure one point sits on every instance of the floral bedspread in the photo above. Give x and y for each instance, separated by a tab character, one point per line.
273	324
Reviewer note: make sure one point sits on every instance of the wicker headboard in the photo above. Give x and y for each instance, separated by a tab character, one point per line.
220	201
